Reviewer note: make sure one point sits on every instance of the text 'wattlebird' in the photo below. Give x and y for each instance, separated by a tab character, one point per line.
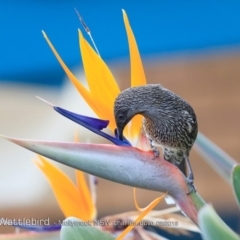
169	122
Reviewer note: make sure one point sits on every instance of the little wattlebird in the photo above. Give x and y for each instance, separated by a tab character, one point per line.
169	122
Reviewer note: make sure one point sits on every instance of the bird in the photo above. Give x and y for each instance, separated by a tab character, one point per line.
168	121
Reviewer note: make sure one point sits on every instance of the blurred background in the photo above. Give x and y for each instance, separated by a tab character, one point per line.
191	48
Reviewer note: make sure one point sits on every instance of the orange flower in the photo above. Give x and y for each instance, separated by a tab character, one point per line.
102	87
74	200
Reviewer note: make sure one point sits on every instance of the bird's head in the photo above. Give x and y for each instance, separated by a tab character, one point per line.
122	117
145	100
126	106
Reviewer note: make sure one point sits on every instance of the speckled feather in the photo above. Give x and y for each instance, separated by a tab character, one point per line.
169	121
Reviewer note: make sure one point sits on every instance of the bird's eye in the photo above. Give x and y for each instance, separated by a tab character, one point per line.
120	117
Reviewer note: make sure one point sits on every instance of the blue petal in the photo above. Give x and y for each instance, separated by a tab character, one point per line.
39	228
92	124
80	119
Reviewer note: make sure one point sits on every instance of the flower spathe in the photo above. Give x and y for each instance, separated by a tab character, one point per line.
125	165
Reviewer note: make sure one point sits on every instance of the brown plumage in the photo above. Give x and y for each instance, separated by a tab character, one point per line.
169	121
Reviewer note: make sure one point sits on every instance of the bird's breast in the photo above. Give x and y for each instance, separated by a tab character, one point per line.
173	132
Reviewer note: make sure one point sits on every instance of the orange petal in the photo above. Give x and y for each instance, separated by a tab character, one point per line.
102	84
85	194
69	199
135	129
137	74
135	201
81	89
137	71
140	217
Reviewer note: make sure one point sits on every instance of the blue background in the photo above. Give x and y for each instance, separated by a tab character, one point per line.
160	27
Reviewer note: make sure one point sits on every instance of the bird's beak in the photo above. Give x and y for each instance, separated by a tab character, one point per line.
120	133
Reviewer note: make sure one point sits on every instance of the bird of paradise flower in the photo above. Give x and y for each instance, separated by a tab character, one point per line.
103	88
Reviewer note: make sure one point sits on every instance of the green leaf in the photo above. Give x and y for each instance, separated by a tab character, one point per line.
219	160
213	227
236	182
76	229
125	165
